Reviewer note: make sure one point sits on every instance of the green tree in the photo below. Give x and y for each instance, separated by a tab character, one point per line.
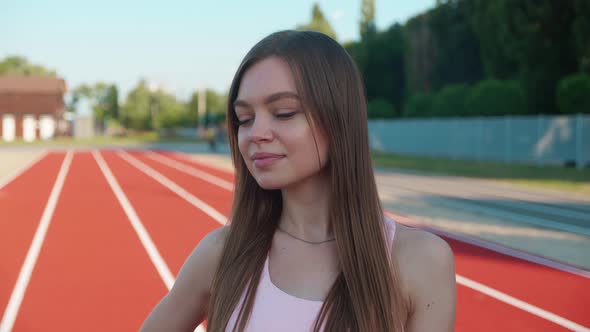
20	66
581	34
136	108
380	109
106	106
419	54
367	25
216	107
104	99
490	20
450	101
380	58
537	42
318	23
192	110
382	66
71	102
573	94
169	113
457	58
419	105
494	98
441	48
546	53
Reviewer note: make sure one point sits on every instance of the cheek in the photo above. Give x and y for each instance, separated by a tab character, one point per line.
322	146
243	147
306	146
242	142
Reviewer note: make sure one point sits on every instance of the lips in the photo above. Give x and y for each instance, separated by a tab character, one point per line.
265	159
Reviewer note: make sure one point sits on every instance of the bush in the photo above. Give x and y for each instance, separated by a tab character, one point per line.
573	94
419	105
380	109
493	97
450	101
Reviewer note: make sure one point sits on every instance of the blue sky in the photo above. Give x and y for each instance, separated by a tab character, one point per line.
179	45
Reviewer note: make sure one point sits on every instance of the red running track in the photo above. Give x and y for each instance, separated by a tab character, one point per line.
93	272
22	202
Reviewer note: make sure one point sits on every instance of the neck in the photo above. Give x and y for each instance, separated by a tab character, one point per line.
305	209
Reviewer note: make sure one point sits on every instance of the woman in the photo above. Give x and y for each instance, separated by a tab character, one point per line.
307	247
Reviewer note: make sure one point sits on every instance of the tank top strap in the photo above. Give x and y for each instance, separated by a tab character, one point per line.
390	227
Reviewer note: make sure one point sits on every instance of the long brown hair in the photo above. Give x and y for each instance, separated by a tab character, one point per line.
367	295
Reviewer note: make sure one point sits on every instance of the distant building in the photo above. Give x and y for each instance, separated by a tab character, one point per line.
31	108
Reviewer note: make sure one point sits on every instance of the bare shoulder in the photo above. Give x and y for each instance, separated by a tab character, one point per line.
185	306
199	268
417	247
206	255
214	241
427	269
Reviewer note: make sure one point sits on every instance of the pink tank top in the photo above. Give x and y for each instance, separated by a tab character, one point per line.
275	310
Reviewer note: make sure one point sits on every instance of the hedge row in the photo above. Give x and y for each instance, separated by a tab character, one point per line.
486	98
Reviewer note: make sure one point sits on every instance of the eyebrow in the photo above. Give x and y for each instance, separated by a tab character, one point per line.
270	99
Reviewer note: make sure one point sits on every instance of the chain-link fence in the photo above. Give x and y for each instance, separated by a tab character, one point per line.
538	139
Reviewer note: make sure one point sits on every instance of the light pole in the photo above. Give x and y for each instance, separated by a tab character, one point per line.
201	110
152	88
202	103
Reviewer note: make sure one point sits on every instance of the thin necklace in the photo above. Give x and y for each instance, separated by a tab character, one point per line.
300	239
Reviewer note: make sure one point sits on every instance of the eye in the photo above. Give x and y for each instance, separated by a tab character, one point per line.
243	122
285	115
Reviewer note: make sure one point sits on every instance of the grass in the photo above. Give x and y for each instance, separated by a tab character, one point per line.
550	177
135	139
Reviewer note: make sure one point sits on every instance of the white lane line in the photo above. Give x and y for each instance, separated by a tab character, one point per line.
142	233
18	172
166	182
208	163
24	275
191	171
503	297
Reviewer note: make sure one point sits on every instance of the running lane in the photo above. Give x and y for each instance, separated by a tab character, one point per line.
562	293
92	273
175	225
22	202
478	312
217	197
186	159
555	291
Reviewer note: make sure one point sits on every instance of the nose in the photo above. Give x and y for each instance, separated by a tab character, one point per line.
261	129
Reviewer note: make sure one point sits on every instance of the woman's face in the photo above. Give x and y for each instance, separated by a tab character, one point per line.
274	136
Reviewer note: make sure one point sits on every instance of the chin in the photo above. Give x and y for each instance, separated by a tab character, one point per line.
270	184
268	180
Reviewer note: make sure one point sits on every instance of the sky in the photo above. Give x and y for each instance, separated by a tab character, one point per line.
180	46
